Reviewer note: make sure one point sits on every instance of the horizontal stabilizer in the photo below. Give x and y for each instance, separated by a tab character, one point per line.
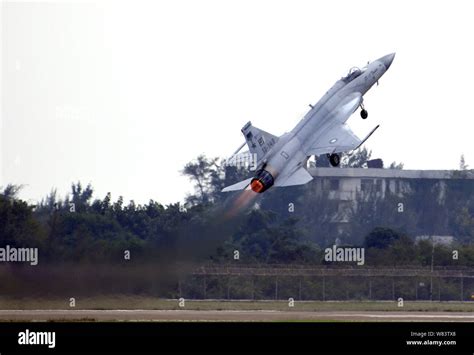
299	177
238	186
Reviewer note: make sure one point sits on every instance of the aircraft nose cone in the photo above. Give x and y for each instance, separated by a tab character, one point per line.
387	60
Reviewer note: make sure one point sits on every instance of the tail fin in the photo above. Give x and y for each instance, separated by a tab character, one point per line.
258	141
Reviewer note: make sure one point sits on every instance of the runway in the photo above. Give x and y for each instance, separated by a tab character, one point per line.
227	316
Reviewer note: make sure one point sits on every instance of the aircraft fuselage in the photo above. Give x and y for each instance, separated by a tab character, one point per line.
288	154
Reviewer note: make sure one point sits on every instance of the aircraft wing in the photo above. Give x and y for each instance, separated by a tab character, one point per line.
337	137
299	177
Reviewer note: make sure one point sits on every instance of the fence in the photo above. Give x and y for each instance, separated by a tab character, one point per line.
327	283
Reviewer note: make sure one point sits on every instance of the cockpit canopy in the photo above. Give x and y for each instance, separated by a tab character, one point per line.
354	72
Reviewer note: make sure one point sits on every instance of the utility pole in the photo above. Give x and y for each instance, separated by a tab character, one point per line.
276	289
393	287
432	266
204	286
324	288
253	288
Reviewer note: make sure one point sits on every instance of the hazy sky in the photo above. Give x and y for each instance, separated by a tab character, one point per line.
123	95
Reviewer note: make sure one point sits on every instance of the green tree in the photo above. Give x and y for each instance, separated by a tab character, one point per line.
357	159
395	165
201	171
81	197
381	238
18	227
462	163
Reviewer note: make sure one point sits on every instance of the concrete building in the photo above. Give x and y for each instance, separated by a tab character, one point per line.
436	239
344	184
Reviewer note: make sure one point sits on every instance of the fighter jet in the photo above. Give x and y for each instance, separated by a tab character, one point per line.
281	161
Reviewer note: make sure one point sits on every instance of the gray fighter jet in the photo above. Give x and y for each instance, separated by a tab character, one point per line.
281	161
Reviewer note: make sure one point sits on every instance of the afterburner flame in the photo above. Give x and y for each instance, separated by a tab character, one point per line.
256	185
244	200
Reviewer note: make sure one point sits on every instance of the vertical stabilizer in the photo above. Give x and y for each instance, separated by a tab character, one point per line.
258	141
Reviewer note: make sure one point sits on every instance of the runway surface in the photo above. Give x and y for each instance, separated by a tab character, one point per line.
228	316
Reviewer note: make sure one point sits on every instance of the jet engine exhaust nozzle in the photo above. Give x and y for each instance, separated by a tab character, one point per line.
262	181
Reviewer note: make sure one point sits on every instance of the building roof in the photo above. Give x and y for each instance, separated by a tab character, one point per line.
390	173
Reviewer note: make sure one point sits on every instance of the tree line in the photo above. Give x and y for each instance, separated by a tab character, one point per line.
83	228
